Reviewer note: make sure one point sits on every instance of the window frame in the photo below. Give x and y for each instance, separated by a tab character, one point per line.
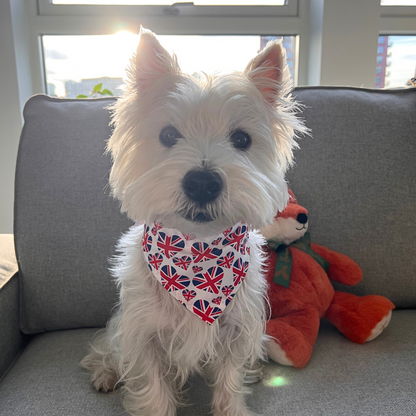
397	11
47	8
68	22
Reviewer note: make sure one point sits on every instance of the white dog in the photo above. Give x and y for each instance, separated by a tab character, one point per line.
201	161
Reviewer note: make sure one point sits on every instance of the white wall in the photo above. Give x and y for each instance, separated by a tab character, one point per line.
10	118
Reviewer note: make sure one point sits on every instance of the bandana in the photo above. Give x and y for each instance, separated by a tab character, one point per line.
203	275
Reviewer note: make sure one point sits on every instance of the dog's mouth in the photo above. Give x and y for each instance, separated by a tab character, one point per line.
196	216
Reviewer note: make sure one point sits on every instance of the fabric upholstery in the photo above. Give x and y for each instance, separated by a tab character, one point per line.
357	178
10	336
66	224
342	379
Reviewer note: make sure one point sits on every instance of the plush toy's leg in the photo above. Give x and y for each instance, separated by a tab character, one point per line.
360	319
295	335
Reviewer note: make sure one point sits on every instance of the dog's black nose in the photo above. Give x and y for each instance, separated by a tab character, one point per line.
202	185
302	218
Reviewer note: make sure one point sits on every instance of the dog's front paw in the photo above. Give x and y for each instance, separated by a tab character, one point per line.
254	374
105	381
103	377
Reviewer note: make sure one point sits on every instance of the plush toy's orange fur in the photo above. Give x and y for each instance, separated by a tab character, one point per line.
296	311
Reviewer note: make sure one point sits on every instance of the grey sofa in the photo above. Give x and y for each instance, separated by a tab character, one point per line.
357	177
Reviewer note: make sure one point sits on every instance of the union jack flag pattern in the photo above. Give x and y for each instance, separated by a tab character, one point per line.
240	268
217	241
203	275
236	238
203	252
156	228
217	300
227	290
226	261
147	241
228	293
188	294
155	261
182	262
170	245
171	280
206	312
209	280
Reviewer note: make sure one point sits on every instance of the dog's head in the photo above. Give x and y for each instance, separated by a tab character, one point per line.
202	153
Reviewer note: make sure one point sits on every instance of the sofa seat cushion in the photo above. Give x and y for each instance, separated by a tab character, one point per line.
341	379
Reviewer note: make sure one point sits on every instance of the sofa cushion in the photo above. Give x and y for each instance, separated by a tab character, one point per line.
342	378
357	178
66	224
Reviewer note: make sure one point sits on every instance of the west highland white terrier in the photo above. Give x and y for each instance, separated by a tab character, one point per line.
201	161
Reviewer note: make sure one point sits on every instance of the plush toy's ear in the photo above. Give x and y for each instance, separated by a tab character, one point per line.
152	61
269	72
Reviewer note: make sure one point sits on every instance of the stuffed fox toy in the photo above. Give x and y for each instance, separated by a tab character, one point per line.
300	292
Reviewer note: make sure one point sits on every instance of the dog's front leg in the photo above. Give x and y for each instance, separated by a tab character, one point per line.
148	391
227	378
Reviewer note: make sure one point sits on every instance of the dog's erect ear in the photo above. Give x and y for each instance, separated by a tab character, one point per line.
269	72
152	61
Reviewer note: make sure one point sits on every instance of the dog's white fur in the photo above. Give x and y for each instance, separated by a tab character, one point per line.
152	344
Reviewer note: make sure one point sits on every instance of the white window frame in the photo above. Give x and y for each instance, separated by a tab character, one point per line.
46	18
398	11
47	8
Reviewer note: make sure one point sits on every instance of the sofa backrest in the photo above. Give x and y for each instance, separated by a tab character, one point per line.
356	176
66	224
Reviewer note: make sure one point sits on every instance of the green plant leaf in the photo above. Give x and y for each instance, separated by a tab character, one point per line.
98	87
81	96
106	92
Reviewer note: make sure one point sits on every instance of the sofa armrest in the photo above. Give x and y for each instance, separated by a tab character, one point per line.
11	339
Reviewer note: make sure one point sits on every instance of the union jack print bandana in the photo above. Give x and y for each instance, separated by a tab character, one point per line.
203	275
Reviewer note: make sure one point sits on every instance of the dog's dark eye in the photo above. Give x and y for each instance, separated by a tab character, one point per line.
240	140
169	136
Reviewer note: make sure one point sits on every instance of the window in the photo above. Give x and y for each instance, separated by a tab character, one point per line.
75	64
399	55
169	7
380	49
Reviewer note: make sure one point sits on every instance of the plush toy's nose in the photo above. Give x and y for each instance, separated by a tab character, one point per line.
202	185
302	218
